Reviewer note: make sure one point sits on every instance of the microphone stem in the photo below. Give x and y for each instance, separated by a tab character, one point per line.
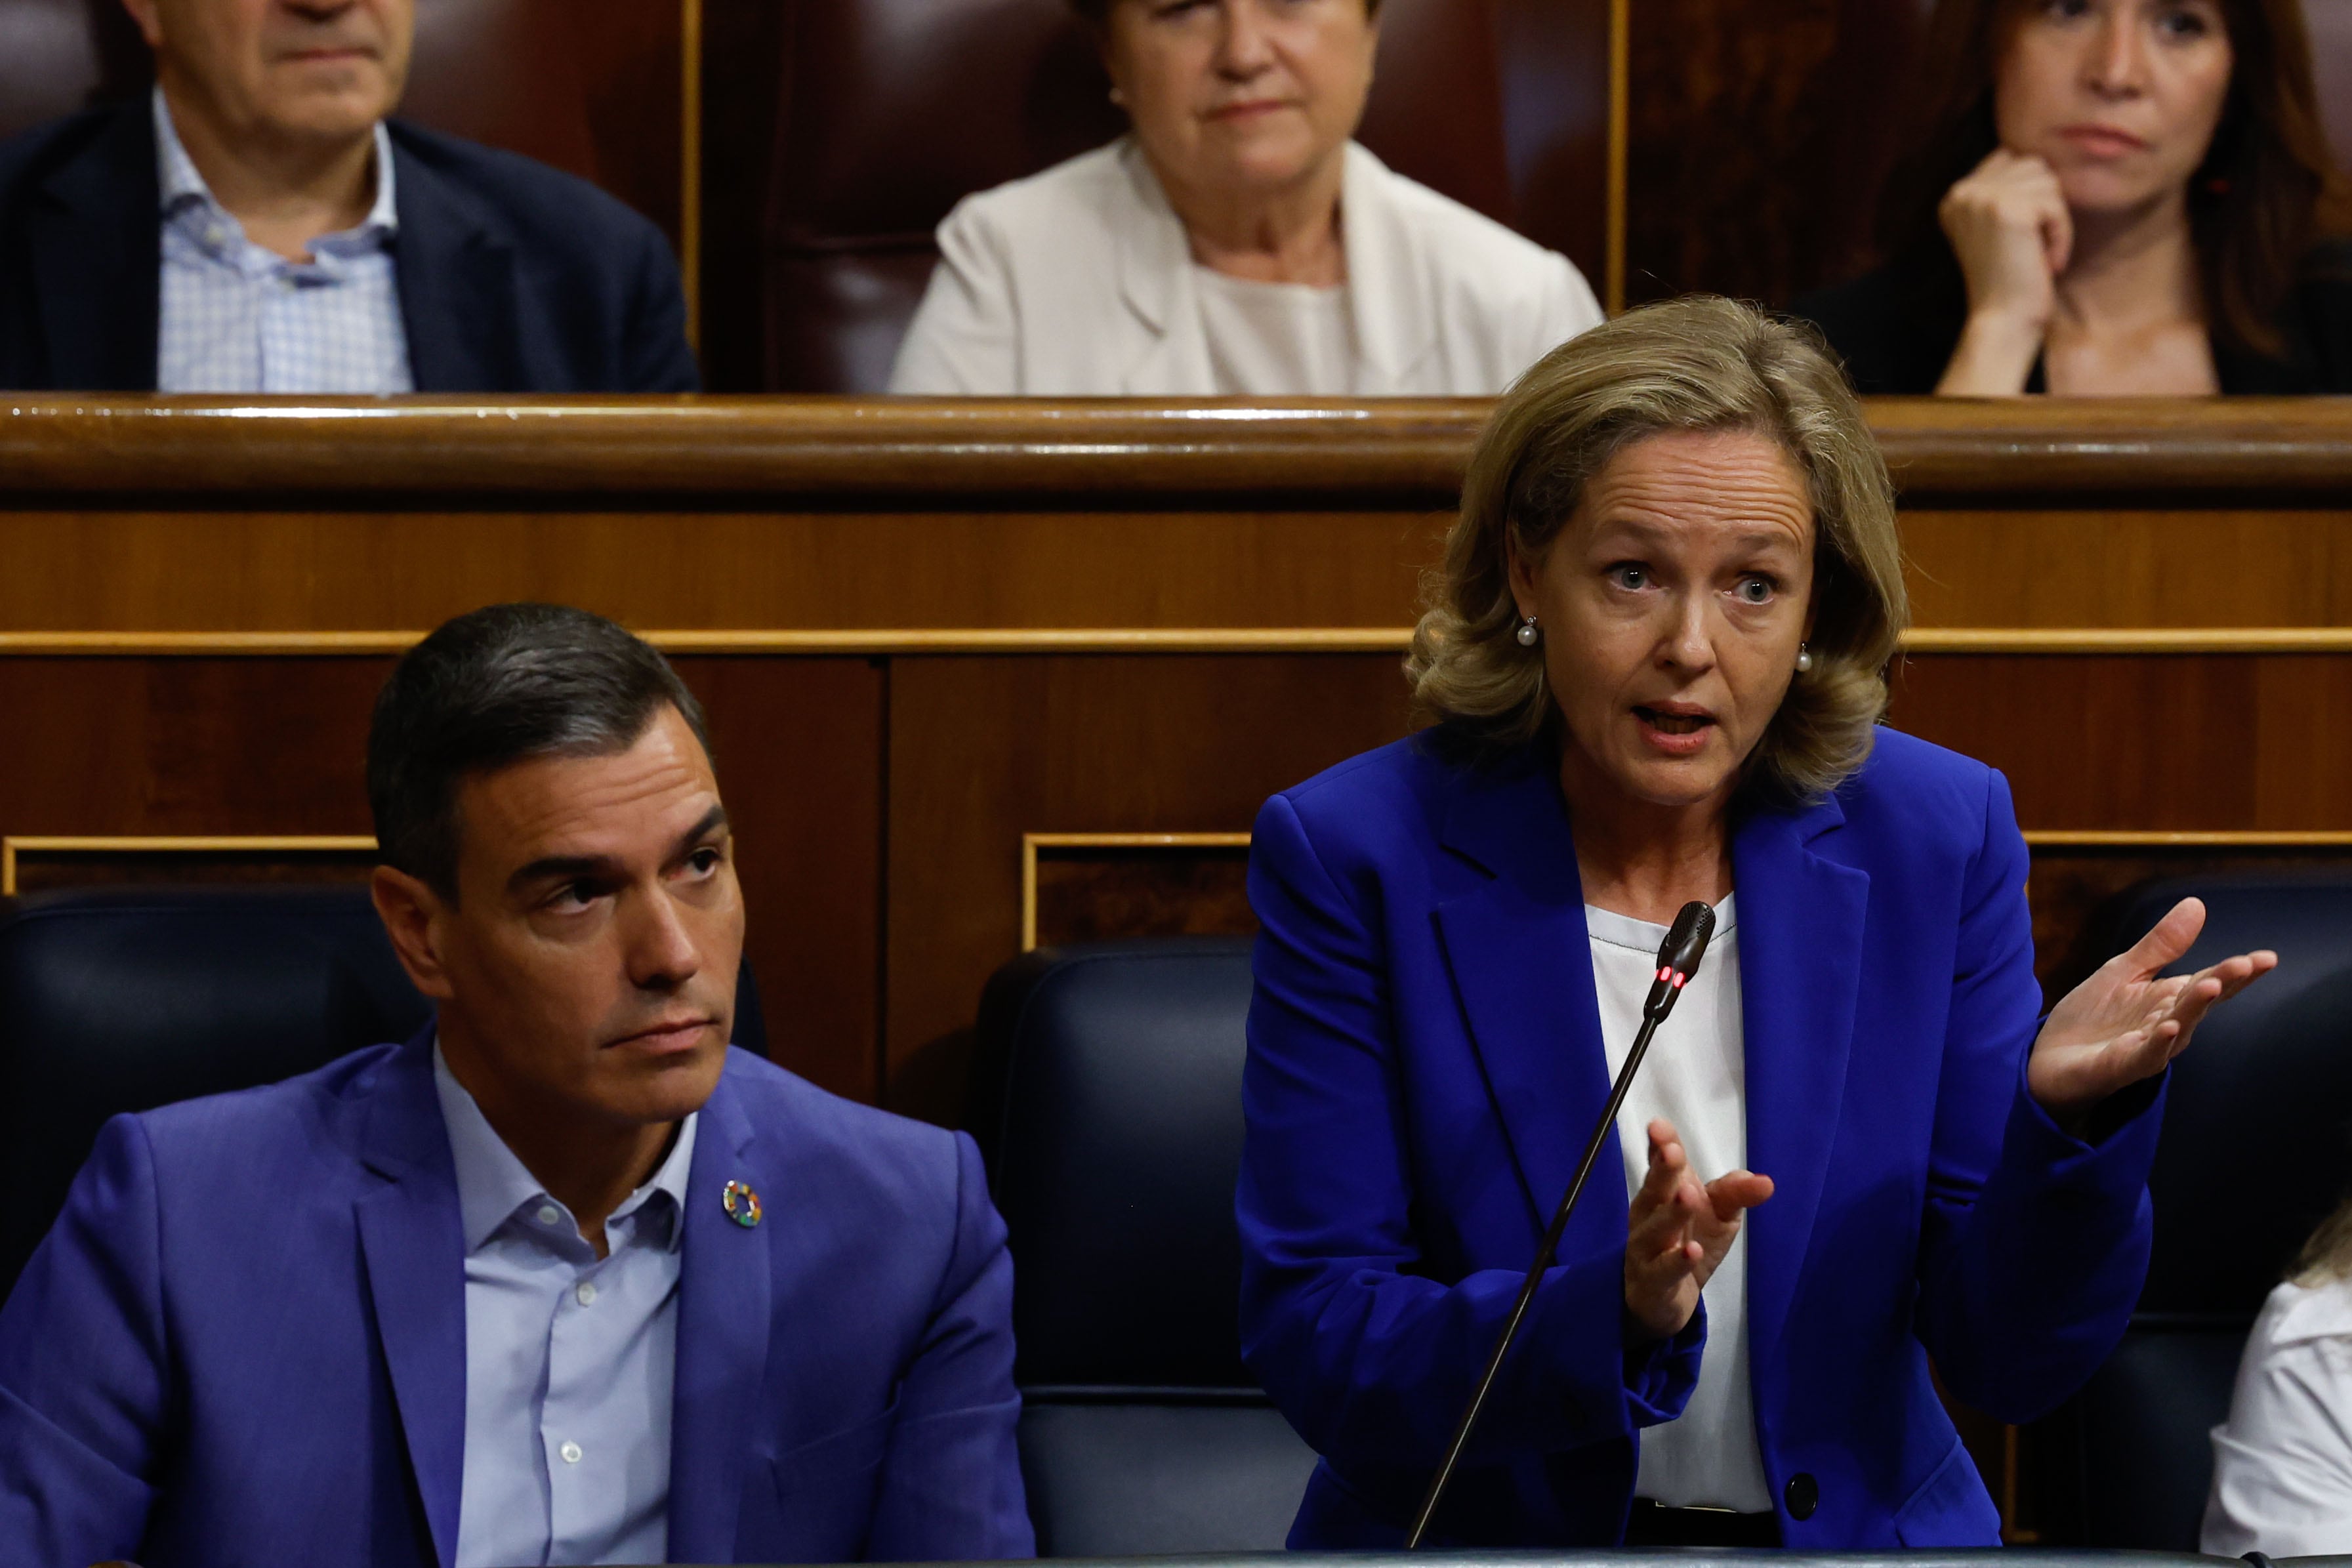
1470	1414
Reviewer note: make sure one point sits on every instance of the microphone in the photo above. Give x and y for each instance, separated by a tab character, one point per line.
1678	958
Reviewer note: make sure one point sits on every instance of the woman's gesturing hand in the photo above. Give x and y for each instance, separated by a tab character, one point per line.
1678	1230
2012	235
2124	1023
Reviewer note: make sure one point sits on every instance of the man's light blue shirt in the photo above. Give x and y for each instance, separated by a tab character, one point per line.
235	316
569	1360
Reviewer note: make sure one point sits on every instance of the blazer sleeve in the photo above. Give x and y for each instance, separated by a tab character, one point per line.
83	1376
951	1487
2035	1244
964	340
656	356
1370	1358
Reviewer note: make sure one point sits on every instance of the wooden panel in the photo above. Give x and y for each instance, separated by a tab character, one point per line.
984	750
2046	566
161	570
47	865
2175	741
1188	885
209	746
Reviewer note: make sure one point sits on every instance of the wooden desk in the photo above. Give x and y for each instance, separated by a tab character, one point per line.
926	631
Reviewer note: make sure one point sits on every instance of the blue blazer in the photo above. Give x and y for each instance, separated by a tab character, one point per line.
513	277
1425	1064
244	1342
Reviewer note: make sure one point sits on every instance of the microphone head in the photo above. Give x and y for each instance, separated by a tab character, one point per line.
1679	956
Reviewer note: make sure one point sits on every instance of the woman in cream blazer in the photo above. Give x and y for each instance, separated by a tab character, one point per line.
1239	241
1080	282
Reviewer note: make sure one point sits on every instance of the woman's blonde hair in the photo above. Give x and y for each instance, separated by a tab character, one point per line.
2328	1254
1698	364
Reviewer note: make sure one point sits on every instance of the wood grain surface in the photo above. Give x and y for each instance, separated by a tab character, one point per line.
1408	453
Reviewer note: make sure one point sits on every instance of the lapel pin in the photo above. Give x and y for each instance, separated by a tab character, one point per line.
742	1203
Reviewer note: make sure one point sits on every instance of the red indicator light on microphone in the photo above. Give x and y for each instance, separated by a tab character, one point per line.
1678	981
1666	972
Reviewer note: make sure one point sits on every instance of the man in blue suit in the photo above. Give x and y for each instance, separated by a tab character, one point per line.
256	225
565	1279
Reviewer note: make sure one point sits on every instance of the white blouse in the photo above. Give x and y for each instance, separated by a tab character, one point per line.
1695	1076
2283	1462
1275	340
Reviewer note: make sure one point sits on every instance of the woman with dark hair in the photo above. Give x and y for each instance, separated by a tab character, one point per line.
2110	196
1238	241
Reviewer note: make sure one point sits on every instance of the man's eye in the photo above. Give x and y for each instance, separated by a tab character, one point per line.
704	861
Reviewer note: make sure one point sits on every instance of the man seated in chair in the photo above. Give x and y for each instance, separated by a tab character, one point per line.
565	1279
255	224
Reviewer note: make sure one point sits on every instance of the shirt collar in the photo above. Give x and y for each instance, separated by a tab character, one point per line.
493	1185
182	184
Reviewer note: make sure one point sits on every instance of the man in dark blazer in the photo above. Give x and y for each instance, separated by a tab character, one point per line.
566	1279
256	225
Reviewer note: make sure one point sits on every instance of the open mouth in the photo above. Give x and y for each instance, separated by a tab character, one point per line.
1670	723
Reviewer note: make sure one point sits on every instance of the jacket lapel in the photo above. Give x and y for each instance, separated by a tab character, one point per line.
1800	935
724	1317
415	1244
1521	959
457	282
1390	295
1155	279
96	243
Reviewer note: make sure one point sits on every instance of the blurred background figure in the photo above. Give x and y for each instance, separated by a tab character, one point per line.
2110	196
1238	242
255	224
2283	1462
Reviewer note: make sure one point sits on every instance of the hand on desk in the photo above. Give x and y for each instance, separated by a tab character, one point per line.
1678	1231
2125	1024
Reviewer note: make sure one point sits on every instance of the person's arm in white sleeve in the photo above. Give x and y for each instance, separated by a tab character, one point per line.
964	339
2283	1462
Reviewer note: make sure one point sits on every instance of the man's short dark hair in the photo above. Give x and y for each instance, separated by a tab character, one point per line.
493	688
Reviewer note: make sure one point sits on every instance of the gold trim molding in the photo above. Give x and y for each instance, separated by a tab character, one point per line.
1031	843
15	845
917	640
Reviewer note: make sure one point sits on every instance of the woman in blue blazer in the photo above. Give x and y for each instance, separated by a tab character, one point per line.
1656	651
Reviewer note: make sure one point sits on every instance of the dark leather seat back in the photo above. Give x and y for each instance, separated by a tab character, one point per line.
2257	1148
889	112
1114	1117
121	1001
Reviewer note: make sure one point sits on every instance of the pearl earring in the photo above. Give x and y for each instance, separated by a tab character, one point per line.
1527	632
1804	659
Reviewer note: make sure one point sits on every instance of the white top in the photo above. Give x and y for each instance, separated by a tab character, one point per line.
1080	282
2283	1462
1275	340
1695	1076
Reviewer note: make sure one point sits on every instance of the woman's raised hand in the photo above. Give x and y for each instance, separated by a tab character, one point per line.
1678	1231
2010	230
2124	1023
